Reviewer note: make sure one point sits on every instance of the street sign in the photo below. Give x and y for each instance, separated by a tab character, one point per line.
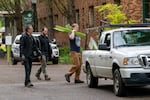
27	16
8	40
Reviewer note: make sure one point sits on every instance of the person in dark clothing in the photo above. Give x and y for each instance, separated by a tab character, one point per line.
45	53
27	45
3	38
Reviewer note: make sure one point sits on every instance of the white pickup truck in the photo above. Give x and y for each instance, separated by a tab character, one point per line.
123	55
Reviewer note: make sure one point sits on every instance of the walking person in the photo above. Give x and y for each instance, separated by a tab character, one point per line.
45	53
27	45
75	55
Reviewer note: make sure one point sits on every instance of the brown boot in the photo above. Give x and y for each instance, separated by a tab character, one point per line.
37	76
47	78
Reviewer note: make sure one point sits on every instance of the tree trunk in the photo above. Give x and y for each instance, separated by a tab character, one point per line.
50	18
71	11
18	17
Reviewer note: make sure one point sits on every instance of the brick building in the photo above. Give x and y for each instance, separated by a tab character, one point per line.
87	16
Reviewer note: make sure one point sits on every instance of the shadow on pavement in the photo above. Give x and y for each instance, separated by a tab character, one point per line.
131	91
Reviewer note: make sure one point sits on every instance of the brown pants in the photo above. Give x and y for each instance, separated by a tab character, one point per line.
76	65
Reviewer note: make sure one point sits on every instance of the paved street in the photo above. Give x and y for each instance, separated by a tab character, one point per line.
12	88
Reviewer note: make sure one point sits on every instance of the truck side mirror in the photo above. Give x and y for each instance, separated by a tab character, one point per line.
104	47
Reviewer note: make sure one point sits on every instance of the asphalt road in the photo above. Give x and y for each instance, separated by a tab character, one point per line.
12	87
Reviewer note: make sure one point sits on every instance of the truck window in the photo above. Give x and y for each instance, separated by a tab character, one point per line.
107	39
132	38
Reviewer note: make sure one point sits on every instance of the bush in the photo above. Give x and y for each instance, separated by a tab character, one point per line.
64	55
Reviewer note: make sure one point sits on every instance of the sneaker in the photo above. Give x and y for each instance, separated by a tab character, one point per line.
78	81
67	77
29	85
47	78
38	76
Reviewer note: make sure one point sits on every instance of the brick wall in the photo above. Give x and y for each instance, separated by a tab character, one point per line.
132	8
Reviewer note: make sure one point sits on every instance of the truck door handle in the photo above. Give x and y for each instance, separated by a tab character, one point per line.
110	57
100	55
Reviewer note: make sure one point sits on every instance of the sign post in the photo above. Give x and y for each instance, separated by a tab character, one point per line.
8	43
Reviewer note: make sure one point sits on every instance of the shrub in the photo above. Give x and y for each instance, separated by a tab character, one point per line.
64	55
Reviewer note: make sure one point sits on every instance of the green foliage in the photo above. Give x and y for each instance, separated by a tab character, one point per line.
64	50
2	22
11	5
113	14
67	29
68	26
64	55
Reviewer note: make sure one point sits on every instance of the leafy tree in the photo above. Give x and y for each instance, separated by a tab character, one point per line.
113	14
65	7
2	22
14	8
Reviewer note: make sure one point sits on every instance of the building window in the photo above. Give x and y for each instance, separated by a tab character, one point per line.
77	16
146	11
39	1
117	2
91	16
55	19
45	21
65	22
82	11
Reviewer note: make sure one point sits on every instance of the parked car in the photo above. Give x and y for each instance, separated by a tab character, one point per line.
123	55
15	51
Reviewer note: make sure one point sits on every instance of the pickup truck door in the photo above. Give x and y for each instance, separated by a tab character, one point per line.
103	63
99	62
91	57
107	63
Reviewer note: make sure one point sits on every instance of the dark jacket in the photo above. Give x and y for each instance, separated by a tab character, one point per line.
28	46
44	45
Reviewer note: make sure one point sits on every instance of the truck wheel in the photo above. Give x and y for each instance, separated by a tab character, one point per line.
119	88
91	80
55	61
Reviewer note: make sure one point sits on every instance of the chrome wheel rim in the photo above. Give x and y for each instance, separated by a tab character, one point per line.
88	77
116	84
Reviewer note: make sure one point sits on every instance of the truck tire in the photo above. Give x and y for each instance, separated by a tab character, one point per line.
119	87
91	80
55	60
